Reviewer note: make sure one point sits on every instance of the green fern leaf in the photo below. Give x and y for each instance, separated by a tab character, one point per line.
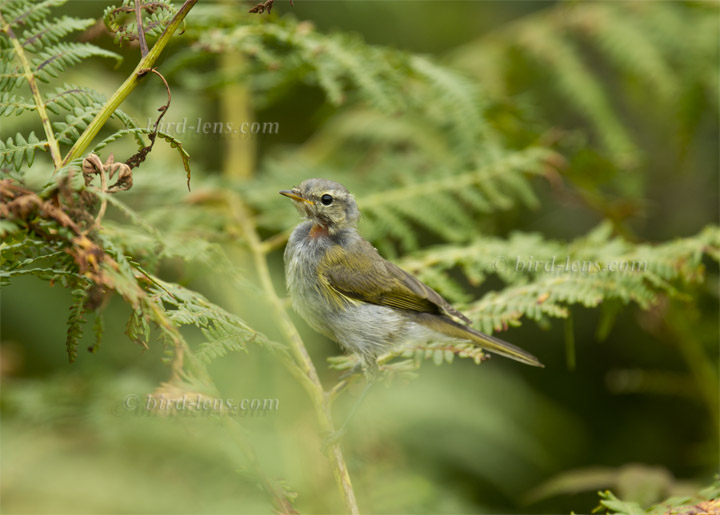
53	60
47	32
20	150
75	322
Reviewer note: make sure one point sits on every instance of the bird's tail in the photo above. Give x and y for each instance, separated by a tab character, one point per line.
490	343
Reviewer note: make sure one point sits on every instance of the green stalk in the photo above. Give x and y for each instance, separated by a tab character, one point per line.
128	86
235	102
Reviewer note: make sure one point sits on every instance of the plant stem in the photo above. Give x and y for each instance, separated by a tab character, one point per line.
53	146
141	29
129	85
235	102
312	384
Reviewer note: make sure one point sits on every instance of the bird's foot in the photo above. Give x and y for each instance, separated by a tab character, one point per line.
356	369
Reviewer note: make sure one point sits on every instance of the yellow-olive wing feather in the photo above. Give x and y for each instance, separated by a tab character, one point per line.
362	274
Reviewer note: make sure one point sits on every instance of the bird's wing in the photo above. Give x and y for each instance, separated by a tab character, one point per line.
362	274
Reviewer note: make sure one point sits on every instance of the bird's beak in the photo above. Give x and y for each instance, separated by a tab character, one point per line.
294	196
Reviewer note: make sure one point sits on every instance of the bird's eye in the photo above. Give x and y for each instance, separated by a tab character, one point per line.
326	199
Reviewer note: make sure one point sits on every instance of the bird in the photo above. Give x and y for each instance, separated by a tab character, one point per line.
344	289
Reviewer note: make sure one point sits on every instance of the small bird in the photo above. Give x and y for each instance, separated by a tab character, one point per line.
344	289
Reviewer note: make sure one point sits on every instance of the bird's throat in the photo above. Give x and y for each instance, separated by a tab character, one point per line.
318	231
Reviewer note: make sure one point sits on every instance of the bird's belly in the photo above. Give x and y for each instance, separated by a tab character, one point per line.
368	329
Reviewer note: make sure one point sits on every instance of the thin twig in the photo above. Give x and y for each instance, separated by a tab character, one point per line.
140	29
262	7
267	5
137	158
52	143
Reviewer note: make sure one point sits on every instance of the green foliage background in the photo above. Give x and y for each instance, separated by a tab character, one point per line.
475	135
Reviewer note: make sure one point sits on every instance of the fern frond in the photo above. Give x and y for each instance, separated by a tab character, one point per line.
65	98
13	75
170	306
138	328
348	70
330	61
670	48
335	59
37	54
546	277
23	13
46	32
457	105
623	41
75	123
54	60
68	97
491	183
382	223
99	330
512	260
224	332
75	322
21	150
578	85
14	104
122	22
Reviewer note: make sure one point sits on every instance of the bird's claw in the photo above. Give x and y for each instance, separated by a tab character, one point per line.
351	372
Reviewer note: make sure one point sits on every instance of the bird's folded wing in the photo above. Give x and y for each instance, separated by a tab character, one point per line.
367	277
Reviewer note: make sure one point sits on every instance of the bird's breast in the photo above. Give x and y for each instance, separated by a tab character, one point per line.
311	295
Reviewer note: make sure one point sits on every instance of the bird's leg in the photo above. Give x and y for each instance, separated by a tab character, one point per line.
372	372
334	437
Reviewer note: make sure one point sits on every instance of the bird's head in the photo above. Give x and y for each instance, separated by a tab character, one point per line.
327	203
